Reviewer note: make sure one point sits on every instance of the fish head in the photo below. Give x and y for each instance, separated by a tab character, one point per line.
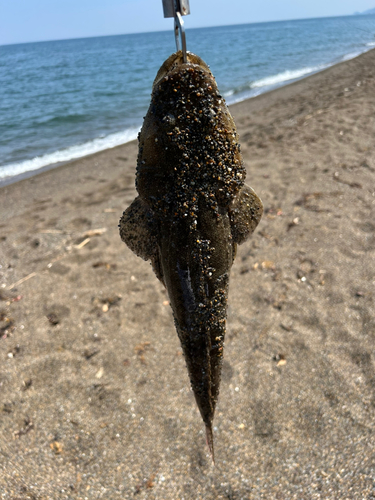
188	145
175	63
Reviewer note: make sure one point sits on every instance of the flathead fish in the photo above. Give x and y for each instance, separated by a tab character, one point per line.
192	210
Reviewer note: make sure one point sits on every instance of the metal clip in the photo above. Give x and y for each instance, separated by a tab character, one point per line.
171	6
177	9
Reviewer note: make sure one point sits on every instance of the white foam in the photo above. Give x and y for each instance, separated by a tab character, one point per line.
265	84
71	153
285	76
351	55
243	95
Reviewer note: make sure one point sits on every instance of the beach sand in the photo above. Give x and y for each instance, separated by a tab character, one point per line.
94	393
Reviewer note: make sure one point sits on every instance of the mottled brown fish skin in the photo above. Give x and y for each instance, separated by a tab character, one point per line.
193	209
188	145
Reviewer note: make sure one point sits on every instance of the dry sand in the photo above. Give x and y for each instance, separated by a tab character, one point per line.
94	394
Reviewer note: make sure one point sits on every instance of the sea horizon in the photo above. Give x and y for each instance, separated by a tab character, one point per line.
187	29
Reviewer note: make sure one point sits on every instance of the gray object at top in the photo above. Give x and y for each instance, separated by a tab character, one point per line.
170	7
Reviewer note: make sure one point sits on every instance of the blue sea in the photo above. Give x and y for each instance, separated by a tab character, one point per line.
61	100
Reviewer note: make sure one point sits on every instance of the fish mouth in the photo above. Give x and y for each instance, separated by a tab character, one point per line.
176	61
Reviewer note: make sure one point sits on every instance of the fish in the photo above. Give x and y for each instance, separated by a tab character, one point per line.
192	210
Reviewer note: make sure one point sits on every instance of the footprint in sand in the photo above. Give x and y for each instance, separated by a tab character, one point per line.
56	313
58	268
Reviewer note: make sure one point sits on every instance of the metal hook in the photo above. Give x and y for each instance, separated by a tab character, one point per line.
179	29
177	9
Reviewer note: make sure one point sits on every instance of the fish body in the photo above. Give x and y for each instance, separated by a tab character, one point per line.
192	210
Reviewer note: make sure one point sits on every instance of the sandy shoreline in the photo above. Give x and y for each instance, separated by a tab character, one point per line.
94	394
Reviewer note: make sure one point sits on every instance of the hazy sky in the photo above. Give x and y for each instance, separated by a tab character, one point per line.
35	20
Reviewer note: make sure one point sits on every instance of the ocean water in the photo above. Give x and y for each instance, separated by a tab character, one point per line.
61	100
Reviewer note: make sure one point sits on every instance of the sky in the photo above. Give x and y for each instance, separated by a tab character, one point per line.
38	20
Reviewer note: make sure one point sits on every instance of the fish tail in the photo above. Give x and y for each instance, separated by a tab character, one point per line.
210	441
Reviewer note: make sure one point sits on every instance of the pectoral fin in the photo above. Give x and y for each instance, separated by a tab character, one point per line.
245	212
138	229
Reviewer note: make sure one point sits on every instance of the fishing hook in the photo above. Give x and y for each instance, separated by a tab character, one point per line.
177	9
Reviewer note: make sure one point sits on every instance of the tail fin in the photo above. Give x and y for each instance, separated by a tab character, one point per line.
210	441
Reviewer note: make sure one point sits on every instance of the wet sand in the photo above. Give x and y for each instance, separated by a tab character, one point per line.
94	393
